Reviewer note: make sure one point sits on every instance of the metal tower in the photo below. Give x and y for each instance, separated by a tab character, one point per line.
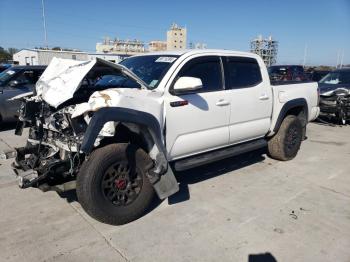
266	48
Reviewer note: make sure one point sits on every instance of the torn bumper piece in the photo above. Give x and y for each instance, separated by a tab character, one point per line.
26	178
26	175
33	173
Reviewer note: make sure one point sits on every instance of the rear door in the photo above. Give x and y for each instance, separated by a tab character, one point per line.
201	122
251	99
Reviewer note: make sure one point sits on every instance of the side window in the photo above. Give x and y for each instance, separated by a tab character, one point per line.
208	69
242	72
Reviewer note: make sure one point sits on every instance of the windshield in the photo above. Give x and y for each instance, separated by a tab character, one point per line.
6	75
337	77
149	68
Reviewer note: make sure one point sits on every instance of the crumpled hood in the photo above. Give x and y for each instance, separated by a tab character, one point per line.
63	77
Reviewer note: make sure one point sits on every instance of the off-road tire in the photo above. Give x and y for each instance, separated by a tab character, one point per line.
280	146
90	188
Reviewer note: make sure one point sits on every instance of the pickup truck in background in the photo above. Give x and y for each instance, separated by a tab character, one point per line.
287	73
116	132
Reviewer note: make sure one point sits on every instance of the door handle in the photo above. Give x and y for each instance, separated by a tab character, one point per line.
264	97
222	102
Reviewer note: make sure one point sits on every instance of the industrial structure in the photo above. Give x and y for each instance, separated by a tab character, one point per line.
112	50
157	45
176	37
118	46
266	48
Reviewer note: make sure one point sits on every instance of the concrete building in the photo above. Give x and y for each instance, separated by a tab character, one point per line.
118	46
266	48
157	45
44	57
176	37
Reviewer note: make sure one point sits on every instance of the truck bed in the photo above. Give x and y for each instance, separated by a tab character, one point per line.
287	91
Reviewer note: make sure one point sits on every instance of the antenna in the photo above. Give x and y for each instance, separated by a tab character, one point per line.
44	22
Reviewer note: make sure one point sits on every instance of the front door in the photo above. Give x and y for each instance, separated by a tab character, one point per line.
201	122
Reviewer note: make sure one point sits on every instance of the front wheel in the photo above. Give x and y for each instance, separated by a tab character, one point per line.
112	185
285	144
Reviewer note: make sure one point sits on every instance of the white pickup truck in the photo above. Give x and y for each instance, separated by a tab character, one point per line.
116	132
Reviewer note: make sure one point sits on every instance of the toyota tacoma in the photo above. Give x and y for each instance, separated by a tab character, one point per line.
116	132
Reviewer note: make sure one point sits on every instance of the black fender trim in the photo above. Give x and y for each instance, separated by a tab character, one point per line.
161	175
298	102
118	114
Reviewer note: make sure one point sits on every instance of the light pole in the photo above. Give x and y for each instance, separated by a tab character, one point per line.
44	22
305	53
342	59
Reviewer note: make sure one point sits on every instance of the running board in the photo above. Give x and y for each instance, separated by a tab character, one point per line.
219	154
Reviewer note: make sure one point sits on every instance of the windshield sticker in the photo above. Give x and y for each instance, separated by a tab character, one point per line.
10	72
165	59
153	83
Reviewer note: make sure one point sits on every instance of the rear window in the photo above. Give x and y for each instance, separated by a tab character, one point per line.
242	72
287	73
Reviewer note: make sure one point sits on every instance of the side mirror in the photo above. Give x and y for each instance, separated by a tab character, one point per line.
13	83
187	84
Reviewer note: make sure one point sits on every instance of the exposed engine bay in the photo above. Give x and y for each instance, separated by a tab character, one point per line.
58	123
53	144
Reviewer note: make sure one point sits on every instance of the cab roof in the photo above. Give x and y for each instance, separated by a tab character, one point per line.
198	51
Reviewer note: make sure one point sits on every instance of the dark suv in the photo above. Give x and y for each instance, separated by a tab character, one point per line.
15	81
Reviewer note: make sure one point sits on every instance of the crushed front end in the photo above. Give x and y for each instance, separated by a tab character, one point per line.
52	155
336	104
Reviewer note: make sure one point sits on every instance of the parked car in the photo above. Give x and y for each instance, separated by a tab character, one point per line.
335	95
3	67
287	73
15	81
116	132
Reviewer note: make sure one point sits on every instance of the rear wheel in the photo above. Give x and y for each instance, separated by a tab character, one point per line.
285	144
112	185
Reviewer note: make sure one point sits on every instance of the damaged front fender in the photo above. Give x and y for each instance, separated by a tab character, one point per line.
161	175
